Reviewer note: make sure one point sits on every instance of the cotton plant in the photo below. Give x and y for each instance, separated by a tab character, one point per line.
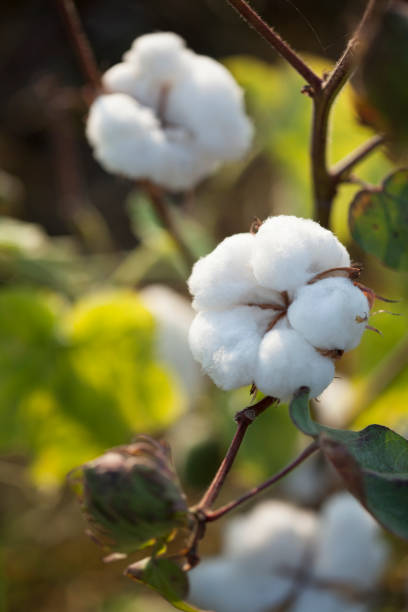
276	307
167	115
280	557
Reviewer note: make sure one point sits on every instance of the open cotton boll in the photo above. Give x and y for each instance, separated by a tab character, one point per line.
274	535
335	405
159	56
223	586
330	314
209	103
286	361
224	277
289	251
349	547
321	600
226	343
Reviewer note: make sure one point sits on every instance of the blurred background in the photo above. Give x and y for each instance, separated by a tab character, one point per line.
94	310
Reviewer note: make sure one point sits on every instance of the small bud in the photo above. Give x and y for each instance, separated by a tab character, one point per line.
131	496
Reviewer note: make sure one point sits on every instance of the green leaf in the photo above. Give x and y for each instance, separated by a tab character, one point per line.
164	577
373	464
379	220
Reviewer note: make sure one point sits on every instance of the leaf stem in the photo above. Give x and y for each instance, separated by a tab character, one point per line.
86	57
281	46
324	184
244	420
213	516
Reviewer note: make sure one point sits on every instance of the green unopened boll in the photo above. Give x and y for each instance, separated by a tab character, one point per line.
131	496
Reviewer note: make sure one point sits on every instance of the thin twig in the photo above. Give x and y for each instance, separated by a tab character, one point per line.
309	450
342	169
162	209
324	186
281	46
244	420
80	42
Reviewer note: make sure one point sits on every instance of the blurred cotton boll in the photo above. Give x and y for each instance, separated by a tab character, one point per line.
268	549
173	315
335	405
169	115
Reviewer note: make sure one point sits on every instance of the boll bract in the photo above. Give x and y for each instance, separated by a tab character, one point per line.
278	557
169	115
276	308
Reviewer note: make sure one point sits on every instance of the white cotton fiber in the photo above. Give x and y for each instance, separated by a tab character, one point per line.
286	362
349	547
326	600
289	251
224	586
159	56
274	535
226	343
123	134
128	139
209	103
224	278
330	314
123	78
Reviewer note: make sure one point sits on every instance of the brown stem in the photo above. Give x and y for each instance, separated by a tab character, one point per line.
324	185
80	42
281	46
244	420
342	169
161	207
213	516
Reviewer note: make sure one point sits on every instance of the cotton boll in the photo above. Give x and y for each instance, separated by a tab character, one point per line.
173	315
286	362
322	600
226	343
272	537
224	586
349	547
160	56
209	103
289	251
224	278
330	314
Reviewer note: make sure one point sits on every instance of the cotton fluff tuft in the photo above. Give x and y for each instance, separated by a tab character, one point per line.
265	550
290	251
226	344
331	313
224	278
286	362
189	106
